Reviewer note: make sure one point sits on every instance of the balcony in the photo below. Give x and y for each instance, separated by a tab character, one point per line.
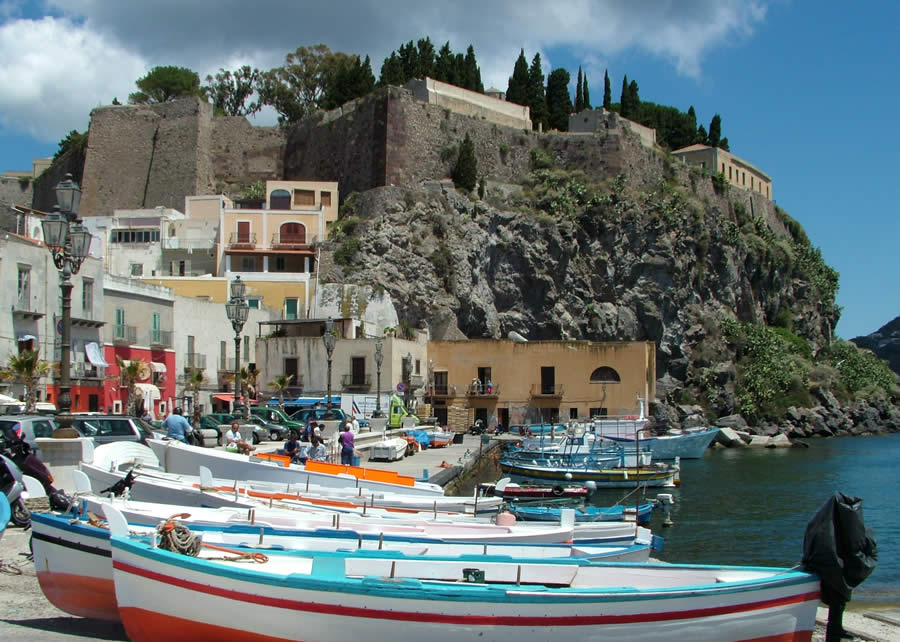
124	334
160	338
443	392
175	243
195	360
542	391
227	365
292	241
242	241
356	383
22	309
488	390
82	370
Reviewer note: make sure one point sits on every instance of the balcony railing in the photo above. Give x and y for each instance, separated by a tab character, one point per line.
226	365
554	391
443	392
161	338
124	334
195	360
292	241
175	243
82	370
489	390
247	241
361	383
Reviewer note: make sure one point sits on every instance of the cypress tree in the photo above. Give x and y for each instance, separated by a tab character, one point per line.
443	64
465	172
702	136
517	90
536	101
579	95
559	102
473	73
607	92
723	144
391	71
586	94
715	131
623	99
634	101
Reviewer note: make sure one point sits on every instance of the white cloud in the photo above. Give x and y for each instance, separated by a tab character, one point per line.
55	72
61	67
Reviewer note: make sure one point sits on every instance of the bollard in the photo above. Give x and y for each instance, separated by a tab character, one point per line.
424	474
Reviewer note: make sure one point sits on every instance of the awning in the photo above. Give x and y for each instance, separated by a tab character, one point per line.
155	366
95	355
27	337
228	397
148	393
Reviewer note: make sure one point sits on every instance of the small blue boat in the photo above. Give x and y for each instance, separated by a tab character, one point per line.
690	444
584	514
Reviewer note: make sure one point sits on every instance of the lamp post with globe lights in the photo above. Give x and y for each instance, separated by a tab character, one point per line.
69	243
379	358
237	310
328	339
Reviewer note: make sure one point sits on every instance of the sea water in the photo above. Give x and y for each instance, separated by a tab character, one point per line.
751	507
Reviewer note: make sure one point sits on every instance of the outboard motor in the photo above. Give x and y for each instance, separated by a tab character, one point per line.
842	551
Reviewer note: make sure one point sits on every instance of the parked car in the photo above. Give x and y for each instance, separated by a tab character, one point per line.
303	416
30	427
218	419
104	429
278	423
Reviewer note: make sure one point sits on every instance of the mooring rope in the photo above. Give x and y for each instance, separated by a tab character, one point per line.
178	538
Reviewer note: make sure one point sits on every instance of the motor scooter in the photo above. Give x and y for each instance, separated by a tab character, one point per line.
12	486
17	452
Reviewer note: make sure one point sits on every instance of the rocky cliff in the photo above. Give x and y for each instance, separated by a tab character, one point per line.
885	343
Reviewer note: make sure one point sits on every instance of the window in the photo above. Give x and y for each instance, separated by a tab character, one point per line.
279	264
223	358
280	199
156	329
326	199
134	236
744	174
418	367
243	232
290	308
751	181
304	198
290	368
599	412
24	289
137	269
358	370
548	380
729	172
246	350
87	298
190	344
253	302
248	264
119	329
573	413
605	374
292	233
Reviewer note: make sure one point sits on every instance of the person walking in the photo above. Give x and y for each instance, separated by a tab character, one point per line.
177	427
346	440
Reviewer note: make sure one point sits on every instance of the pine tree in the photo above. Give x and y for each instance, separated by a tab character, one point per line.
702	136
715	131
579	95
623	99
465	172
559	102
536	100
517	90
586	94
607	92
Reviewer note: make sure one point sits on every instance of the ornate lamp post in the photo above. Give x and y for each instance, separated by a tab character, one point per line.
69	243
237	311
407	379
328	339
379	358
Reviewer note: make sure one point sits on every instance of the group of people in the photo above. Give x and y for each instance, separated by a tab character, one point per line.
301	451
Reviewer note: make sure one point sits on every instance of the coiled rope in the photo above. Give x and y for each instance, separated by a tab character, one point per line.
176	537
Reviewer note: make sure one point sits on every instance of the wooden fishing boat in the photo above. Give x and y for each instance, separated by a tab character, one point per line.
177	457
512	491
336	596
582	514
689	444
389	449
74	569
657	475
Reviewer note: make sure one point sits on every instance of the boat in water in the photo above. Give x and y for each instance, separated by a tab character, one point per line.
686	444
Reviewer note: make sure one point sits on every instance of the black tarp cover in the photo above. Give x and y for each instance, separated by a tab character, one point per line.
839	548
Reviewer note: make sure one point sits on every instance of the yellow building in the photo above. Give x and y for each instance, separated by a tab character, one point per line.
524	382
739	172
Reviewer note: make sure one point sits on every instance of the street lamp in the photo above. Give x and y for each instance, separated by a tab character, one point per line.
328	339
407	376
237	311
69	243
379	358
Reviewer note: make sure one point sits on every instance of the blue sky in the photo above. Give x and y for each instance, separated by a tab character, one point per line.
805	90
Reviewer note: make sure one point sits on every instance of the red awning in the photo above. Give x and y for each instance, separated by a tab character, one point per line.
228	397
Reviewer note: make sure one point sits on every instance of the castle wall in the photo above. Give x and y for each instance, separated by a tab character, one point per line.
470	103
242	154
13	192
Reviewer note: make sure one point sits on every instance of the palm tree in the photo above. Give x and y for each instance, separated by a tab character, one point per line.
280	384
129	374
193	382
27	369
249	377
